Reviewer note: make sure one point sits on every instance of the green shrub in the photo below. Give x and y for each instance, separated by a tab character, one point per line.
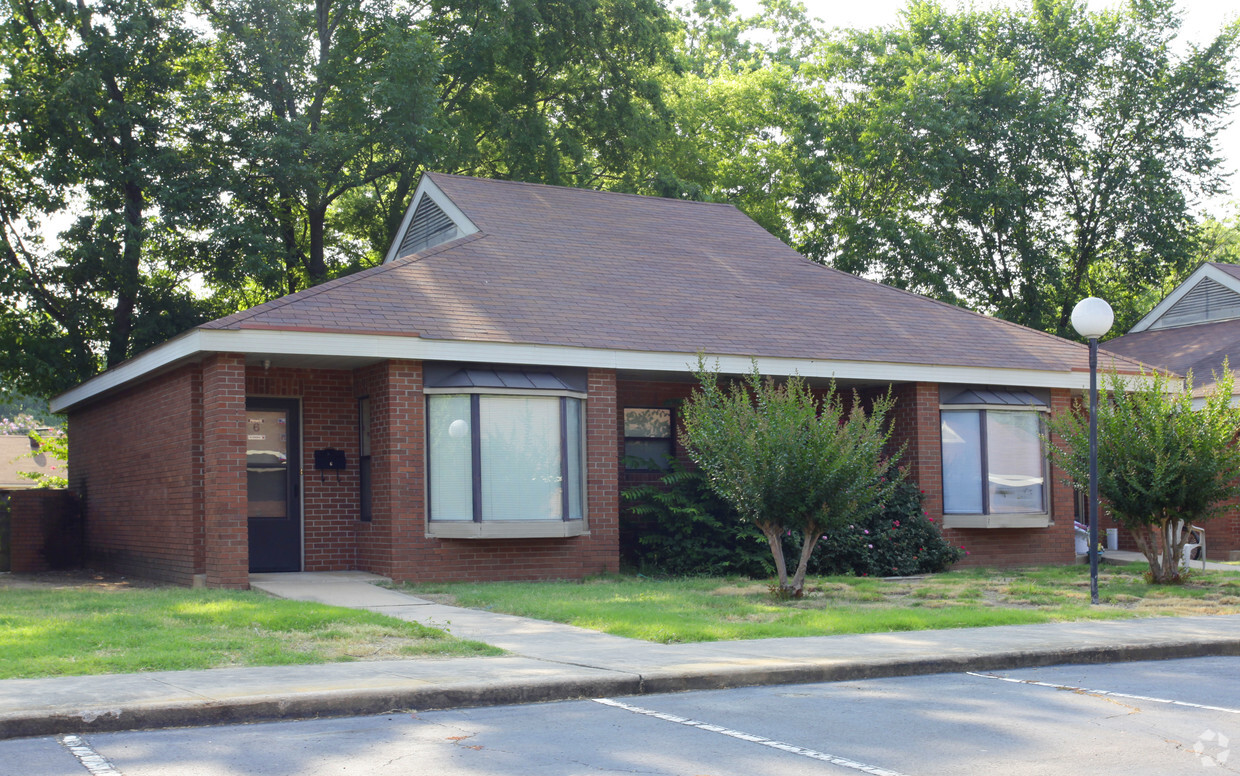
899	541
678	526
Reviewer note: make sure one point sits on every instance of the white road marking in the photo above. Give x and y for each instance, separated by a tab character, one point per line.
91	760
830	758
1106	693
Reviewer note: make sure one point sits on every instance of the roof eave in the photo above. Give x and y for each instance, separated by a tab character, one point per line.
274	342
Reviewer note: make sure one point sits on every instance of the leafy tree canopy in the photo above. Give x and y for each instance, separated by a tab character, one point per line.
1016	161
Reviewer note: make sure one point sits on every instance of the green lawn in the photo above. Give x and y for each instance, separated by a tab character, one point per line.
705	609
75	632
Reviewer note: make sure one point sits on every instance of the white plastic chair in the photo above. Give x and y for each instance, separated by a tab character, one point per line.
1196	543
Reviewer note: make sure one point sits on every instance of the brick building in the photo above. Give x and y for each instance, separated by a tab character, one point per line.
464	411
1195	328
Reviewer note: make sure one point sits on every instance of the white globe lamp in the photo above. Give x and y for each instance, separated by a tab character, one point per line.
1092	317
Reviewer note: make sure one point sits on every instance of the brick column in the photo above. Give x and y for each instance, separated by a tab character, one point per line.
226	540
915	424
602	552
394	542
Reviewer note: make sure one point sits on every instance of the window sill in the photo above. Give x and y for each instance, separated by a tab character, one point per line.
506	529
997	521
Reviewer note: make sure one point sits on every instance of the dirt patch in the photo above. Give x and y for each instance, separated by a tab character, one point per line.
78	579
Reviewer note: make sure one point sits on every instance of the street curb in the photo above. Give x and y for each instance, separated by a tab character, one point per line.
344	703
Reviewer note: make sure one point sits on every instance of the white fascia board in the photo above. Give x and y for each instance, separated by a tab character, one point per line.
294	343
186	346
1204	271
427	188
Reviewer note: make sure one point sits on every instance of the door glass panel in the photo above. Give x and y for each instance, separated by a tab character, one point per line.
266	462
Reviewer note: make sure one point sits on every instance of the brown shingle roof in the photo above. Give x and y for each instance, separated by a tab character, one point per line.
1200	348
562	266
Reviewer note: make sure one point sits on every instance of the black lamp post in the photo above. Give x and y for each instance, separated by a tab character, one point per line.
1092	318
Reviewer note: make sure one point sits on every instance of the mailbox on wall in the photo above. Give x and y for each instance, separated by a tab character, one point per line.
329	459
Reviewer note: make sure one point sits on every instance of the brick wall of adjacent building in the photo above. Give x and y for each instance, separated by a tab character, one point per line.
136	464
44	530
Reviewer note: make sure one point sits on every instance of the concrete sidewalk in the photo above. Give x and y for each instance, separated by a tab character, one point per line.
549	662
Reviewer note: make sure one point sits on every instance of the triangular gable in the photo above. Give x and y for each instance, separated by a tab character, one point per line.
1209	295
432	218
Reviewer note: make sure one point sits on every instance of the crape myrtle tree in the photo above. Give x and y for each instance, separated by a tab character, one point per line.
1163	464
788	462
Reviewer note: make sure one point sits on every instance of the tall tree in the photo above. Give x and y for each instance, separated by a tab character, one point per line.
341	104
319	98
95	143
1017	160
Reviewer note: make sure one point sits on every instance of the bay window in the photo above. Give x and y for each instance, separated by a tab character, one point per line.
511	457
994	466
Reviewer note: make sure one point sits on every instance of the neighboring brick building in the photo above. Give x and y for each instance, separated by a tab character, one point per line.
1194	329
480	390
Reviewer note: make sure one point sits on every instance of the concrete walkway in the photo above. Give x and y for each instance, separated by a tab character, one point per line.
549	662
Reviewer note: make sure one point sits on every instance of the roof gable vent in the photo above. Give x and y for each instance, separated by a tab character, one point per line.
1208	301
429	226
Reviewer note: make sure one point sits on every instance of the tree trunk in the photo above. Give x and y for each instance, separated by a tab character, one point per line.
774	538
128	276
808	543
316	266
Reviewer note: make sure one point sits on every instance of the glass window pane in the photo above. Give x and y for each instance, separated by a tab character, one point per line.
962	462
363	426
648	454
1014	462
520	448
648	423
576	506
266	463
450	458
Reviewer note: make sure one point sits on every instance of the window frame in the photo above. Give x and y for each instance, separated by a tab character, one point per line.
670	439
987	518
364	431
480	527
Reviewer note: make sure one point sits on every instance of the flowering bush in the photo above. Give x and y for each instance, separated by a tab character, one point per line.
19	425
900	541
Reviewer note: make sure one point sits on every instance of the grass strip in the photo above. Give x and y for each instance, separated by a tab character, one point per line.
715	609
80	632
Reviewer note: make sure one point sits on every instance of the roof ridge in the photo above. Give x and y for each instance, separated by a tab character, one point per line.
607	192
340	282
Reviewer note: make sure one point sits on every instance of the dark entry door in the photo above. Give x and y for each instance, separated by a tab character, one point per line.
273	472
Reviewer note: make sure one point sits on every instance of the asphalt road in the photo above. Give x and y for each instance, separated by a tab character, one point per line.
1168	717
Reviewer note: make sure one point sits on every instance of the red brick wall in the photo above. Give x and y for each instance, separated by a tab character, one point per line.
45	530
226	529
330	500
137	460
